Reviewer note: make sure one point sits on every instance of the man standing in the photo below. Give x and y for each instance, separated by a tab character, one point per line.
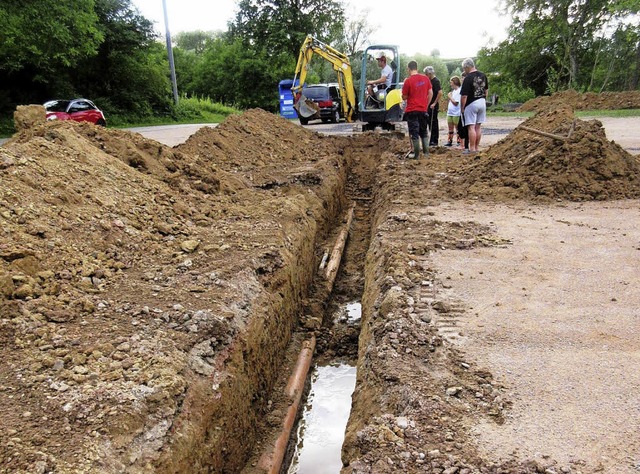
417	91
434	106
473	102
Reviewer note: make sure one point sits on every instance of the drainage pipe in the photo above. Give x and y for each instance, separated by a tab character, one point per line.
338	249
271	462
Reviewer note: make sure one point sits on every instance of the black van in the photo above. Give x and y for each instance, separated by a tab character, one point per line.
327	98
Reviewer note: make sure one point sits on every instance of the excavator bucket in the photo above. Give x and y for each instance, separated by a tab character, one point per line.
305	107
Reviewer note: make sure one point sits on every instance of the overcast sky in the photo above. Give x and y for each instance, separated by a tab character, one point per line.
416	27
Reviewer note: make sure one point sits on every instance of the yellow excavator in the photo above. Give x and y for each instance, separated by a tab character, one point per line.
308	108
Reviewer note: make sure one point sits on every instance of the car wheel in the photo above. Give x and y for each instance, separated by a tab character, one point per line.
102	123
336	116
303	121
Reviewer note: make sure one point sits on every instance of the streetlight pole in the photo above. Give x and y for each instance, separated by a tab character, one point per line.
170	52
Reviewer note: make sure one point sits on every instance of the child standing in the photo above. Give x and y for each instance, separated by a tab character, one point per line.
453	111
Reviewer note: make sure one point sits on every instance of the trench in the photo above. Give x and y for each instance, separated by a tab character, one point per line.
314	443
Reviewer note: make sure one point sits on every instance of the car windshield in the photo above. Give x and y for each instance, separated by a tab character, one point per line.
316	93
56	105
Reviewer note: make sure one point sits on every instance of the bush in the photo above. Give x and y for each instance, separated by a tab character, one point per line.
188	110
194	108
7	127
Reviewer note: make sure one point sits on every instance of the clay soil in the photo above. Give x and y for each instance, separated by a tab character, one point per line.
152	298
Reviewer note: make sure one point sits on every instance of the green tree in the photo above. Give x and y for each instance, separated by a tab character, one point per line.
232	74
280	26
442	72
34	46
194	41
244	67
357	32
555	45
61	36
130	71
101	49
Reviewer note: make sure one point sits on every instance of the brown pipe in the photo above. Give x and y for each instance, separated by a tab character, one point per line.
338	249
272	461
544	134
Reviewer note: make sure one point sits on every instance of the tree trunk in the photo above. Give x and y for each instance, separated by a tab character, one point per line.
595	66
636	73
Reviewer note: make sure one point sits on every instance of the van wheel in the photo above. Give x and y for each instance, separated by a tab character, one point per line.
336	117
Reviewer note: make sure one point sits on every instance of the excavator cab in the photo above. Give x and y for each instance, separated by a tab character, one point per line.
380	106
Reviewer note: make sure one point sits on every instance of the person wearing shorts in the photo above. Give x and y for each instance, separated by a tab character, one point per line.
473	102
453	110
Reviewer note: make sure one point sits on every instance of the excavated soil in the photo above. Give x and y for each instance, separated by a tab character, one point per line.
585	101
151	298
526	165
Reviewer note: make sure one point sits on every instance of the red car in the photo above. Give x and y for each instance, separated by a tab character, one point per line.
80	110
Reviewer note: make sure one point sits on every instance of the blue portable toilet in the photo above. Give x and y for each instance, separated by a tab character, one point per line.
286	98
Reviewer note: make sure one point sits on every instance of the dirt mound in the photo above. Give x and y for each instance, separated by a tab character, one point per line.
254	139
127	268
27	116
526	165
586	101
180	171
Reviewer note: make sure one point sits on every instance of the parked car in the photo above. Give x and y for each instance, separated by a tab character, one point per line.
327	98
80	110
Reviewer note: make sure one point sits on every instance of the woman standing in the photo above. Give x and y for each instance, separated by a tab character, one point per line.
453	111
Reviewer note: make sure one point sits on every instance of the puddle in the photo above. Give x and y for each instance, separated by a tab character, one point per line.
351	313
321	429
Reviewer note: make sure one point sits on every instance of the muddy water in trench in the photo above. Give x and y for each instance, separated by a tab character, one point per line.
321	430
320	434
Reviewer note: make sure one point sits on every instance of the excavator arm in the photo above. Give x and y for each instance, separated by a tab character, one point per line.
341	65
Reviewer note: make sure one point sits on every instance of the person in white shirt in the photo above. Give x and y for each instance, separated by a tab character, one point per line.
373	99
453	110
386	73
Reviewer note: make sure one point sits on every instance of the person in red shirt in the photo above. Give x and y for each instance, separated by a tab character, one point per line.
417	91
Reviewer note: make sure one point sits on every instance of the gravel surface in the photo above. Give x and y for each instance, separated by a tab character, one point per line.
555	318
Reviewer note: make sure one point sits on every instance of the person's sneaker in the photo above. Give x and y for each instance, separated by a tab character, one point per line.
448	144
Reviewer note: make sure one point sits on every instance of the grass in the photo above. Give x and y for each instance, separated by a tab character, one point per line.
188	110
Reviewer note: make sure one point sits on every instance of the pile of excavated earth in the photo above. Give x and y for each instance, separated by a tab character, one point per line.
573	161
148	294
585	101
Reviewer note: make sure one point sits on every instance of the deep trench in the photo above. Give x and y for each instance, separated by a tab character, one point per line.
337	334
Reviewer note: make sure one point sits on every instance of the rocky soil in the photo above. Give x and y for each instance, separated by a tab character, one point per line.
149	295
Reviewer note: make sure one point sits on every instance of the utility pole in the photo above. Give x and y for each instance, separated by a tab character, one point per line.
172	66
